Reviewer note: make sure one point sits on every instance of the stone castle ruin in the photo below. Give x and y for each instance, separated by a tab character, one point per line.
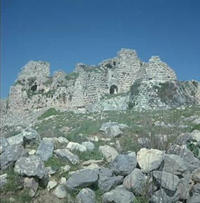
35	88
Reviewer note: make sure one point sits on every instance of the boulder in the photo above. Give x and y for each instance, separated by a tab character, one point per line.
149	159
196	175
82	178
16	139
112	129
109	153
105	172
107	181
86	195
196	135
166	180
174	164
135	182
196	188
60	191
89	146
63	180
31	166
51	184
27	136
160	196
3	144
191	161
10	155
45	150
124	164
66	154
32	185
30	136
184	187
62	140
194	198
118	195
74	146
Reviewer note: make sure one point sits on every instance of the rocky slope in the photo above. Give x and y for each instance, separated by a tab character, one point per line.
124	131
113	156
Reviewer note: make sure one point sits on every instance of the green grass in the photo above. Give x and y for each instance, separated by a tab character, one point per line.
85	156
196	127
19	197
13	182
24	196
84	127
14	189
55	163
79	124
141	199
48	113
141	124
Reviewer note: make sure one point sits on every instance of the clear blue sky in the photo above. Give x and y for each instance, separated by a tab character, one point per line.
65	32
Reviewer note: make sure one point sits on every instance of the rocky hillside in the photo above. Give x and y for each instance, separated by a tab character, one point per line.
124	131
164	95
113	156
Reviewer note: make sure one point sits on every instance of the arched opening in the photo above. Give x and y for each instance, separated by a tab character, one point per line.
113	89
34	88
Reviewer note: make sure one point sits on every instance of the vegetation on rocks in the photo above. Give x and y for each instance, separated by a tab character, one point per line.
49	112
72	76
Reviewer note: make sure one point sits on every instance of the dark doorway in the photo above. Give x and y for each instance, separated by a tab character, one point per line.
34	88
113	89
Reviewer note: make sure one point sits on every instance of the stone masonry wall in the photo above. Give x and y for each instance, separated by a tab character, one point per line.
35	88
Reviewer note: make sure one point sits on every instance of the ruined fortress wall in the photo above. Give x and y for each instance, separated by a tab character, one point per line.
128	67
158	70
90	85
35	88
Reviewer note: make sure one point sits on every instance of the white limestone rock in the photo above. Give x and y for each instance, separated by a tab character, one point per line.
149	159
196	135
89	146
108	152
51	184
66	154
74	146
60	191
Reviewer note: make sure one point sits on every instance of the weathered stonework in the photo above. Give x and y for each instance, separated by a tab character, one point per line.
34	88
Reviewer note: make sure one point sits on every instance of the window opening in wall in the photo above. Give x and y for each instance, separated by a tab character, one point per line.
113	89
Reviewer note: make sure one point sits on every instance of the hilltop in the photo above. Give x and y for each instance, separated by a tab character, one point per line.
121	131
120	83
